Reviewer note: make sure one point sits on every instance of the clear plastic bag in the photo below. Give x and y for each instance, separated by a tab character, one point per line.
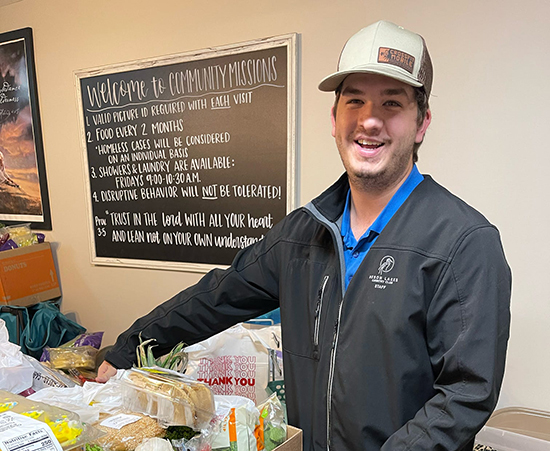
67	427
21	234
271	432
82	357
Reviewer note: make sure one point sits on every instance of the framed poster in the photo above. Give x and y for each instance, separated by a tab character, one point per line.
191	157
23	184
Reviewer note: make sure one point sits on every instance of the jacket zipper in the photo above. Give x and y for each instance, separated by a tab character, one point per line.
318	309
331	369
339	247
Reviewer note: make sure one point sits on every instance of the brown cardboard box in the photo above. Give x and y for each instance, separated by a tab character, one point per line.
294	440
27	275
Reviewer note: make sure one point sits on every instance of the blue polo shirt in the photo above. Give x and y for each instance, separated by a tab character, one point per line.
355	251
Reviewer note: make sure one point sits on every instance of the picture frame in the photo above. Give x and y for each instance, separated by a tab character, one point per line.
23	182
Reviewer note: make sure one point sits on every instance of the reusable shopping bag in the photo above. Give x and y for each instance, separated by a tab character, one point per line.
48	327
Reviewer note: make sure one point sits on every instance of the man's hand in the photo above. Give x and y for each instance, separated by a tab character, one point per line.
105	372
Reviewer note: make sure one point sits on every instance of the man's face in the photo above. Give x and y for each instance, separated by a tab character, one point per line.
375	128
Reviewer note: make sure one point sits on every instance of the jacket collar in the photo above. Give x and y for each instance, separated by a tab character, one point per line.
331	202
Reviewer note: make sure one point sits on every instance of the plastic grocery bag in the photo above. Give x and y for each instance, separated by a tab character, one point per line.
15	372
235	361
68	398
107	397
88	401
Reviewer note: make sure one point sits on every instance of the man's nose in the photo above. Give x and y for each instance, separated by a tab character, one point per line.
369	117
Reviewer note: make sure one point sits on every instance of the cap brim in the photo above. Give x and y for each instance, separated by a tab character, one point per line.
332	82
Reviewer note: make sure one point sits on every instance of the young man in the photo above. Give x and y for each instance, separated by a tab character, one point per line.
394	293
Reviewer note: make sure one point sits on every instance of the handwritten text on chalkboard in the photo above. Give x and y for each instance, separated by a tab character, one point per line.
188	161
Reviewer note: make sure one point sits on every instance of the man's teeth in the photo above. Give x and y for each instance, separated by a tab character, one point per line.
364	142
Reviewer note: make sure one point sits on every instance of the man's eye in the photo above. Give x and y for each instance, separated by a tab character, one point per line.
355	101
392	103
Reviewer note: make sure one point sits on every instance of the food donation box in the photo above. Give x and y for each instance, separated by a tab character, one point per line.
294	440
28	276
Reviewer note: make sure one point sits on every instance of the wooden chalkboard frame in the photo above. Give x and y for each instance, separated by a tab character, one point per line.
290	41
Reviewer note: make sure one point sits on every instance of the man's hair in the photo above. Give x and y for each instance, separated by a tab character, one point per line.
422	108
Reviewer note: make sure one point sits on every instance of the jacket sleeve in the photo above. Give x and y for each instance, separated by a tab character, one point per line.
222	298
467	332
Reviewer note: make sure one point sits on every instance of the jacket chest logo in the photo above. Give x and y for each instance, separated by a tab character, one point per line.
381	280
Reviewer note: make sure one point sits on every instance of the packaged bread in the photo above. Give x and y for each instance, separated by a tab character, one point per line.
170	397
124	431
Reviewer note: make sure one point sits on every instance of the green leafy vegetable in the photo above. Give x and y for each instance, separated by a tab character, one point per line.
179	432
176	359
89	447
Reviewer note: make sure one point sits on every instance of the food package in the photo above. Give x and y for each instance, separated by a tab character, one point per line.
82	357
171	397
45	376
21	234
124	431
67	427
239	418
86	339
271	432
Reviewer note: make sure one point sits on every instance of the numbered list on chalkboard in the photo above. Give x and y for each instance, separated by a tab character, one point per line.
187	162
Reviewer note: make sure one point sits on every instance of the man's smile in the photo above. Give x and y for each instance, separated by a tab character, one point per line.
366	144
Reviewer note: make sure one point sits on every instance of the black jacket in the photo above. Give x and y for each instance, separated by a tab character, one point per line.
410	357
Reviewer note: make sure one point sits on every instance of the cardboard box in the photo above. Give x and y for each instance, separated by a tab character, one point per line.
294	440
27	275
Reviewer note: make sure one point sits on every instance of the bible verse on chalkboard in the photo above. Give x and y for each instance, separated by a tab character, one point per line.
188	161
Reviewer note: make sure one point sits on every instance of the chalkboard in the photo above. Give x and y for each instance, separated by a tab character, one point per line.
189	158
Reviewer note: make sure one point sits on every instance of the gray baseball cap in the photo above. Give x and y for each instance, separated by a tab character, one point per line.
386	49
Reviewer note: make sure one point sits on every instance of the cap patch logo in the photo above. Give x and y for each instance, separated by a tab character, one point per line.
396	58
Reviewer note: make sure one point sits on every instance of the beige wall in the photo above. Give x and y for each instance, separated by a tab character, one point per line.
486	142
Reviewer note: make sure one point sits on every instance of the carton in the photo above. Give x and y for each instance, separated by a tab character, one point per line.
293	442
28	276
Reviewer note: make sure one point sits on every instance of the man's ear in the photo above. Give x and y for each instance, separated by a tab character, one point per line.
333	120
421	131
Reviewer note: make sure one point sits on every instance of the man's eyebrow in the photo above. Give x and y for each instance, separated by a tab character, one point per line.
350	90
394	92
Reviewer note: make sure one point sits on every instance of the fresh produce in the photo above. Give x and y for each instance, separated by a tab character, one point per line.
179	432
175	360
89	447
271	431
